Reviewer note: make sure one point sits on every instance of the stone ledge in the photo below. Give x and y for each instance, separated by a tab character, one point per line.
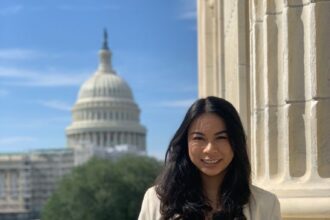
305	207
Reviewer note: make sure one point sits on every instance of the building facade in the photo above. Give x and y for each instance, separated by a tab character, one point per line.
271	59
15	189
28	180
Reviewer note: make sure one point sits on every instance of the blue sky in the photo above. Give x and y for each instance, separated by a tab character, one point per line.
49	48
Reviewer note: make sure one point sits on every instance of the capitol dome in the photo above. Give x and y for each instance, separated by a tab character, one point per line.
105	113
105	85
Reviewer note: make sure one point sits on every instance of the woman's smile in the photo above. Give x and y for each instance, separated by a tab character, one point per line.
211	161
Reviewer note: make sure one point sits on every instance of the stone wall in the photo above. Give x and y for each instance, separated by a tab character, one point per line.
271	59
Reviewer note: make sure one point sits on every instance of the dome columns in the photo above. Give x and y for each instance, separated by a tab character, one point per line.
106	139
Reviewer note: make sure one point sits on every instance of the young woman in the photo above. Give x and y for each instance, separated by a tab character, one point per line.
207	171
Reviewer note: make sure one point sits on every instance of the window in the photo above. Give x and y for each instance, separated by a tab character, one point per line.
14	184
2	184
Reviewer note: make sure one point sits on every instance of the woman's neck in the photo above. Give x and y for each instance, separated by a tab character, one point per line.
211	186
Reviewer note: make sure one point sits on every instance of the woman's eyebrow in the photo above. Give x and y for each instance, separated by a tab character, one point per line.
197	133
221	132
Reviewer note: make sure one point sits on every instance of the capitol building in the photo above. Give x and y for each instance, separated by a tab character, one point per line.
105	114
105	124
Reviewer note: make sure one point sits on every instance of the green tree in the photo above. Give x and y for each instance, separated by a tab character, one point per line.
103	190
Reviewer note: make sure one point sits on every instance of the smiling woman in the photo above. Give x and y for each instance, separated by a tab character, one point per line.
209	148
207	171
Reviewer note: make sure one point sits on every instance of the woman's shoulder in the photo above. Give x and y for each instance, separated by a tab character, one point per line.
263	204
151	192
260	193
150	205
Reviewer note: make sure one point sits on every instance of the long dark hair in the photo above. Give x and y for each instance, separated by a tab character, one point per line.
179	186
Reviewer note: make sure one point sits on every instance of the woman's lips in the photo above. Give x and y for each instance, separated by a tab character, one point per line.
210	161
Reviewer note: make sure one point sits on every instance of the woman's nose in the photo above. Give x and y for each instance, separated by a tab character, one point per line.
209	148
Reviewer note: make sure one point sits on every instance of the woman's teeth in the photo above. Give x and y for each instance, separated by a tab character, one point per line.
208	161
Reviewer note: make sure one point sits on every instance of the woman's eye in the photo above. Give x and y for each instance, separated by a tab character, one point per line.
197	138
221	137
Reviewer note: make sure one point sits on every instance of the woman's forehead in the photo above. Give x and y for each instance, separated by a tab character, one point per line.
208	121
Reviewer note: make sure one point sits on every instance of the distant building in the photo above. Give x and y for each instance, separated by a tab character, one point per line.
106	124
105	114
27	180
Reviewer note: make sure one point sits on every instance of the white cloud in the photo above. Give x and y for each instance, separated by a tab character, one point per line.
19	54
8	141
189	10
33	123
38	78
188	15
55	104
178	103
87	8
30	54
10	10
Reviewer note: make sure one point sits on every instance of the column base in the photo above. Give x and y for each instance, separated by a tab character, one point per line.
305	208
302	199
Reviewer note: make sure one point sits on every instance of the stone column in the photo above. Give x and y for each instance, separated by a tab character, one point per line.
271	59
144	142
207	50
222	70
139	141
320	87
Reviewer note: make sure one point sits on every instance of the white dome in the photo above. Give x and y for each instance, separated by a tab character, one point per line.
106	85
105	114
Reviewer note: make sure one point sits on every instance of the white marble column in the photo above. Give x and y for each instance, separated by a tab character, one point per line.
320	87
272	62
139	141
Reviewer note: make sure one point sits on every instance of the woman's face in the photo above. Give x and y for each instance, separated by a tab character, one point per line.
208	145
